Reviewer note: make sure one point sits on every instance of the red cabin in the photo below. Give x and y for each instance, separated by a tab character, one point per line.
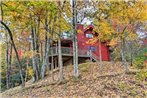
85	50
84	47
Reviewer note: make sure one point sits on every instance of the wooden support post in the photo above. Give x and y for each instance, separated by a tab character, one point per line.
90	55
52	62
56	62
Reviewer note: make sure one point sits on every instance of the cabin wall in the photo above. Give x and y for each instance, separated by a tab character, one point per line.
105	52
85	46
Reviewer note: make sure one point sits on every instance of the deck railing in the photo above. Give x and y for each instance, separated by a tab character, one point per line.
64	50
94	56
69	51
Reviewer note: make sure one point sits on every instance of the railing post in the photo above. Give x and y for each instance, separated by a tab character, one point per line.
56	50
90	55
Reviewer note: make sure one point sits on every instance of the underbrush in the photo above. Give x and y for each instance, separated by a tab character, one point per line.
84	67
142	75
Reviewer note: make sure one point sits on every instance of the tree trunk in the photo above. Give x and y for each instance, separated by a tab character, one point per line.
52	64
26	75
36	73
75	45
13	44
41	51
60	61
7	63
131	50
52	57
131	59
10	60
123	55
44	54
37	47
51	43
46	49
1	12
8	57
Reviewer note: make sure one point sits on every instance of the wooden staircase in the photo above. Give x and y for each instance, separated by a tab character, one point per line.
94	57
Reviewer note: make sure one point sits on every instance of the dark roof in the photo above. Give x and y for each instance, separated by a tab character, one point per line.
88	27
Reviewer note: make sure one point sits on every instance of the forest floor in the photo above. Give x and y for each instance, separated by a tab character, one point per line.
108	81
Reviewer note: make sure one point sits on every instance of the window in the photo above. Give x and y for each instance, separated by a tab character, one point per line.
89	35
92	48
66	35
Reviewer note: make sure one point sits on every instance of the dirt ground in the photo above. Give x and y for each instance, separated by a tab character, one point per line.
107	81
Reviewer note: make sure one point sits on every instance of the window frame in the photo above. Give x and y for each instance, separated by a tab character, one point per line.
89	35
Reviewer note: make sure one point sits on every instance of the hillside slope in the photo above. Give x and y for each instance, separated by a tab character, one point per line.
107	81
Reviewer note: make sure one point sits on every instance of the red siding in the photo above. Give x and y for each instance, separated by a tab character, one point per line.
83	45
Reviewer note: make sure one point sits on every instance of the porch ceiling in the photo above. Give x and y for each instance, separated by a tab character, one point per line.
66	41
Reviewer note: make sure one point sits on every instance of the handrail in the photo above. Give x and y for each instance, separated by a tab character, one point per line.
94	56
69	51
64	50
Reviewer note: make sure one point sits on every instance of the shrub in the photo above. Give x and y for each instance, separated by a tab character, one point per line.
142	76
30	72
140	60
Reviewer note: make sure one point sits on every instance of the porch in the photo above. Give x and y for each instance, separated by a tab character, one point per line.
68	51
67	56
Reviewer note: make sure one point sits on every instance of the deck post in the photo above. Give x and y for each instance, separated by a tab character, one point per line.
90	55
56	62
52	59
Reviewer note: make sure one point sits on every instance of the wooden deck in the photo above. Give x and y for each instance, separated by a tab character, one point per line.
66	51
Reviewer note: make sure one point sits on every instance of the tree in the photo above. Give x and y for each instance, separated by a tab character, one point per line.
115	18
39	21
13	44
75	45
60	62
